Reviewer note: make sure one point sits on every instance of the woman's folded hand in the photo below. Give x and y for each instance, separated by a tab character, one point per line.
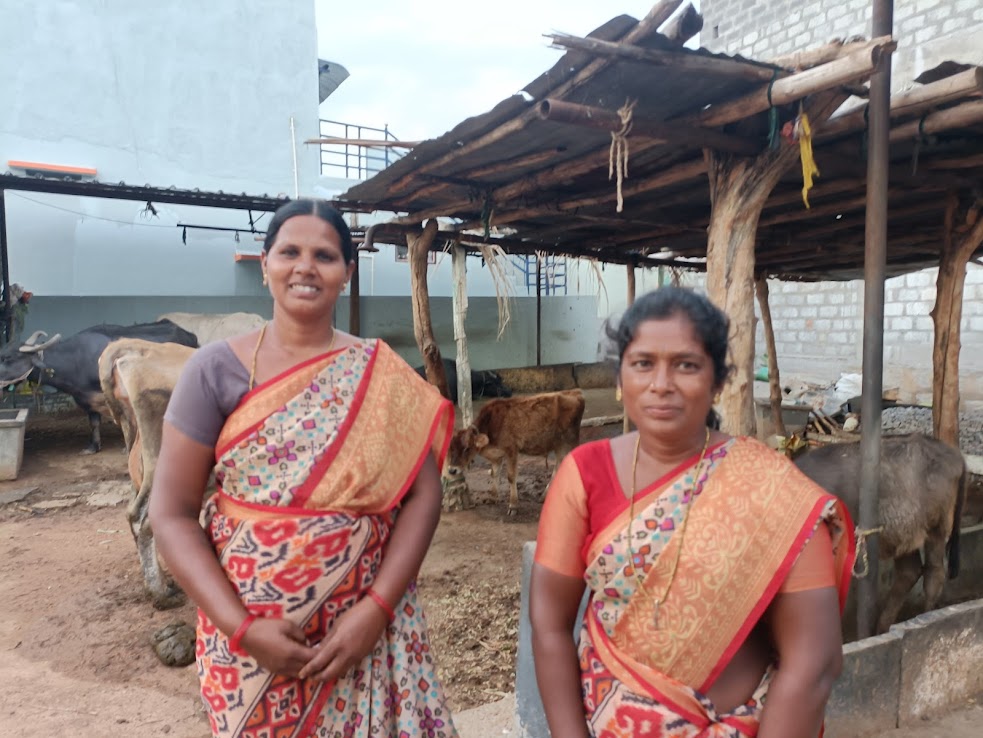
278	645
352	637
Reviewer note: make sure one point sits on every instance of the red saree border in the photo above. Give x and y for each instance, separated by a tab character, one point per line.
268	385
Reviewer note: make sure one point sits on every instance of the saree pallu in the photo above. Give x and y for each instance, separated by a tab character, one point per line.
646	668
312	467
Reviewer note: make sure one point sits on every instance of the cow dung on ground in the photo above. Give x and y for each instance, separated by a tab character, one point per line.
174	644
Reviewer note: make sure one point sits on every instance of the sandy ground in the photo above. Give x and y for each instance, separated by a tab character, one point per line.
75	621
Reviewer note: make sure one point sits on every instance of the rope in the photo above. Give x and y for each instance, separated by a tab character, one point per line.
772	114
809	168
861	536
618	154
918	145
486	214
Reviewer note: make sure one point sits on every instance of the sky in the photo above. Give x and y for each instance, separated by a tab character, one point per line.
422	66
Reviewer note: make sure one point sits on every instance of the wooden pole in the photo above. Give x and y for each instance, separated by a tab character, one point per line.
418	246
875	260
626	423
8	315
857	65
460	307
677	59
739	189
539	310
774	384
355	299
947	316
683	25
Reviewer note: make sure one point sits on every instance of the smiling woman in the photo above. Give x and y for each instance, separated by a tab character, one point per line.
304	575
716	570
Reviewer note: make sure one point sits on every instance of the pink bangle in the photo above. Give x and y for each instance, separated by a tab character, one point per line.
386	607
234	641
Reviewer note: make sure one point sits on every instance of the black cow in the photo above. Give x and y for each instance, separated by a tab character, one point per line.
71	364
484	383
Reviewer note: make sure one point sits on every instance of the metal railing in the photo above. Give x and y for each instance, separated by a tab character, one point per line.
353	161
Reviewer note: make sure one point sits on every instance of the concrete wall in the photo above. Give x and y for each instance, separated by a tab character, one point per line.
184	94
819	328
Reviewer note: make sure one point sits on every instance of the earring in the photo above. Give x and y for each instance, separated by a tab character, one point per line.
265	280
617	394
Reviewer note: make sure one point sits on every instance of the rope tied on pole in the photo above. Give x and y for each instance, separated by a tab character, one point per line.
618	153
918	144
772	114
862	557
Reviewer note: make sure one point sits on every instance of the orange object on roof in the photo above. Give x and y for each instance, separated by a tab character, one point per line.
54	168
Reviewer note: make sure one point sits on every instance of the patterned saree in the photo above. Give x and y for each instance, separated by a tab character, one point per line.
312	467
647	667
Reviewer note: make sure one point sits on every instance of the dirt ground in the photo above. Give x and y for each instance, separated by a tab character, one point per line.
75	621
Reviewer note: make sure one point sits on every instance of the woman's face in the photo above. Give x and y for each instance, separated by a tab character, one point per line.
667	379
305	267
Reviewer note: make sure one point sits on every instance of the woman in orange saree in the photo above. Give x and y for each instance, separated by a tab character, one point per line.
328	495
716	570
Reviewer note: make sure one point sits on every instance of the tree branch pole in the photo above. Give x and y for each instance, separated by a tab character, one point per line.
626	424
875	261
8	316
355	299
418	245
774	384
460	305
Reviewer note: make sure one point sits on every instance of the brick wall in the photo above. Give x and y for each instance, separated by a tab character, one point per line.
819	327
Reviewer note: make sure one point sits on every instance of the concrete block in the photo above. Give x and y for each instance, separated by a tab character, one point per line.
924	324
865	698
901	323
941	661
12	425
892	309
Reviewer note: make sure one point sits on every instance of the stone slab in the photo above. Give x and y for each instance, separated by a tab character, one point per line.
16	495
109	494
865	697
941	661
54	504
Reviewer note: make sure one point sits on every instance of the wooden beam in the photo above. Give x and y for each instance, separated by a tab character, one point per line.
859	64
912	102
962	162
683	25
472	177
419	244
586	116
459	305
961	116
799	60
677	59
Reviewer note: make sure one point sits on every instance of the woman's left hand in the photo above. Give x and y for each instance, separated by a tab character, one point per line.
352	637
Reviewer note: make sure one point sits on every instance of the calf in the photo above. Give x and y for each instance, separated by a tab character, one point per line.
137	378
484	383
533	425
922	489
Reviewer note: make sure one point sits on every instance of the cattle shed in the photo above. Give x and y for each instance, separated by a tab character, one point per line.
635	150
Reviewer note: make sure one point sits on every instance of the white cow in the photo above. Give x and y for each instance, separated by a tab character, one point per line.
215	327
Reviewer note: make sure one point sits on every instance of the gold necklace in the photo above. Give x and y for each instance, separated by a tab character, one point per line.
658	601
259	342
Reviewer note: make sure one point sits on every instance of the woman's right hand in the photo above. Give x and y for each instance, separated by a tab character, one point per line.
278	645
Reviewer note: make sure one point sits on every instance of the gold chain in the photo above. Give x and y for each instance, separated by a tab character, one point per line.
658	601
259	342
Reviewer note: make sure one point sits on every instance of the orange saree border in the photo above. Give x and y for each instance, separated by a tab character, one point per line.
395	420
750	523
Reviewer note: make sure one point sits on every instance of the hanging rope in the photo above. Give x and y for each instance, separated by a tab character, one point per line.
772	114
618	154
486	215
918	145
809	168
862	557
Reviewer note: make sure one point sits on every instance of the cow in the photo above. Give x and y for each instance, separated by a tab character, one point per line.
922	490
215	327
71	364
137	378
534	425
484	383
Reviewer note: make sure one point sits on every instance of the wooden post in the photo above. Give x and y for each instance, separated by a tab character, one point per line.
355	300
946	315
418	247
626	424
460	307
775	386
8	315
539	310
739	188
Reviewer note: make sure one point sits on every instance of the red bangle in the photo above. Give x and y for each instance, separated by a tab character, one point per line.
386	607
234	641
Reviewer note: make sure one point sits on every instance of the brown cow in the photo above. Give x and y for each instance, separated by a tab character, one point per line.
922	489
137	378
532	425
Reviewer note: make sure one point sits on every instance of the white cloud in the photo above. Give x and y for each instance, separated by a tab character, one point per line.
422	66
